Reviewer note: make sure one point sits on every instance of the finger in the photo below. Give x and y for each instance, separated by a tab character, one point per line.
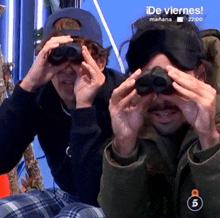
97	79
89	59
201	93
60	39
127	100
206	104
87	55
128	83
91	66
188	81
79	71
89	70
191	83
187	94
124	89
44	53
55	42
135	75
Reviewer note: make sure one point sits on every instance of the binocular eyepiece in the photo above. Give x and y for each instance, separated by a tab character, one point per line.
69	51
155	79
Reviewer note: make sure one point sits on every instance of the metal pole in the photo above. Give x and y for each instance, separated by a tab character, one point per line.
3	28
70	3
26	36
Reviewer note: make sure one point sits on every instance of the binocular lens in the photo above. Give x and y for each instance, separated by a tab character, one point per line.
144	85
73	53
70	51
160	82
57	54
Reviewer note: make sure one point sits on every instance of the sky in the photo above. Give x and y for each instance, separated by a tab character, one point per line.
119	15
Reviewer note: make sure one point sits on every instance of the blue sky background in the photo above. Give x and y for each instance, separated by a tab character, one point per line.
119	15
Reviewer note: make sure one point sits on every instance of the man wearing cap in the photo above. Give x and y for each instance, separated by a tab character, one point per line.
164	159
64	101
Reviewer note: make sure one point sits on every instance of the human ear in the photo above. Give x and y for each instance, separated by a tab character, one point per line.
201	72
101	63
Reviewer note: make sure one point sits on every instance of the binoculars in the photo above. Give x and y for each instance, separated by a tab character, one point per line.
69	51
155	79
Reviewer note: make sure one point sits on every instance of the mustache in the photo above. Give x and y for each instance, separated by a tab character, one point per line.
163	106
64	72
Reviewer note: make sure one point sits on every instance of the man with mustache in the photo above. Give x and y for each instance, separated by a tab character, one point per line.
164	159
64	101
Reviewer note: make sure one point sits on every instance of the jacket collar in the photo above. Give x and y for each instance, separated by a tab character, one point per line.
148	132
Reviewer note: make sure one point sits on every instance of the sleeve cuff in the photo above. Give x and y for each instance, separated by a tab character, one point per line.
199	156
124	161
82	117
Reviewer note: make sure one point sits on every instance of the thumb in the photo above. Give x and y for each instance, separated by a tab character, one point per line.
79	73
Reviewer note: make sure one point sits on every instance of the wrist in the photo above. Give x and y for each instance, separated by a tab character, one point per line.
126	146
83	105
27	85
208	140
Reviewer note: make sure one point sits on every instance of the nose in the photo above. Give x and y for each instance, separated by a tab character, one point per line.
158	98
68	69
71	68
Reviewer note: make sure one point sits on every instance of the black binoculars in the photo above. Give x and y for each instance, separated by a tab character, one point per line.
155	79
69	51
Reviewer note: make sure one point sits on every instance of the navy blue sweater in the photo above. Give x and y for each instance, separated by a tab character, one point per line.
27	114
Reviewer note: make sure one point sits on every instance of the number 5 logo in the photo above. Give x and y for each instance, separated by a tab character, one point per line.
195	202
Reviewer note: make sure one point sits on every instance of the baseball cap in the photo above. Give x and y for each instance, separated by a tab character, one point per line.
89	26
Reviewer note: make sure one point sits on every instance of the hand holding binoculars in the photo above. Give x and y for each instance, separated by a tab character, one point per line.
155	79
69	51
